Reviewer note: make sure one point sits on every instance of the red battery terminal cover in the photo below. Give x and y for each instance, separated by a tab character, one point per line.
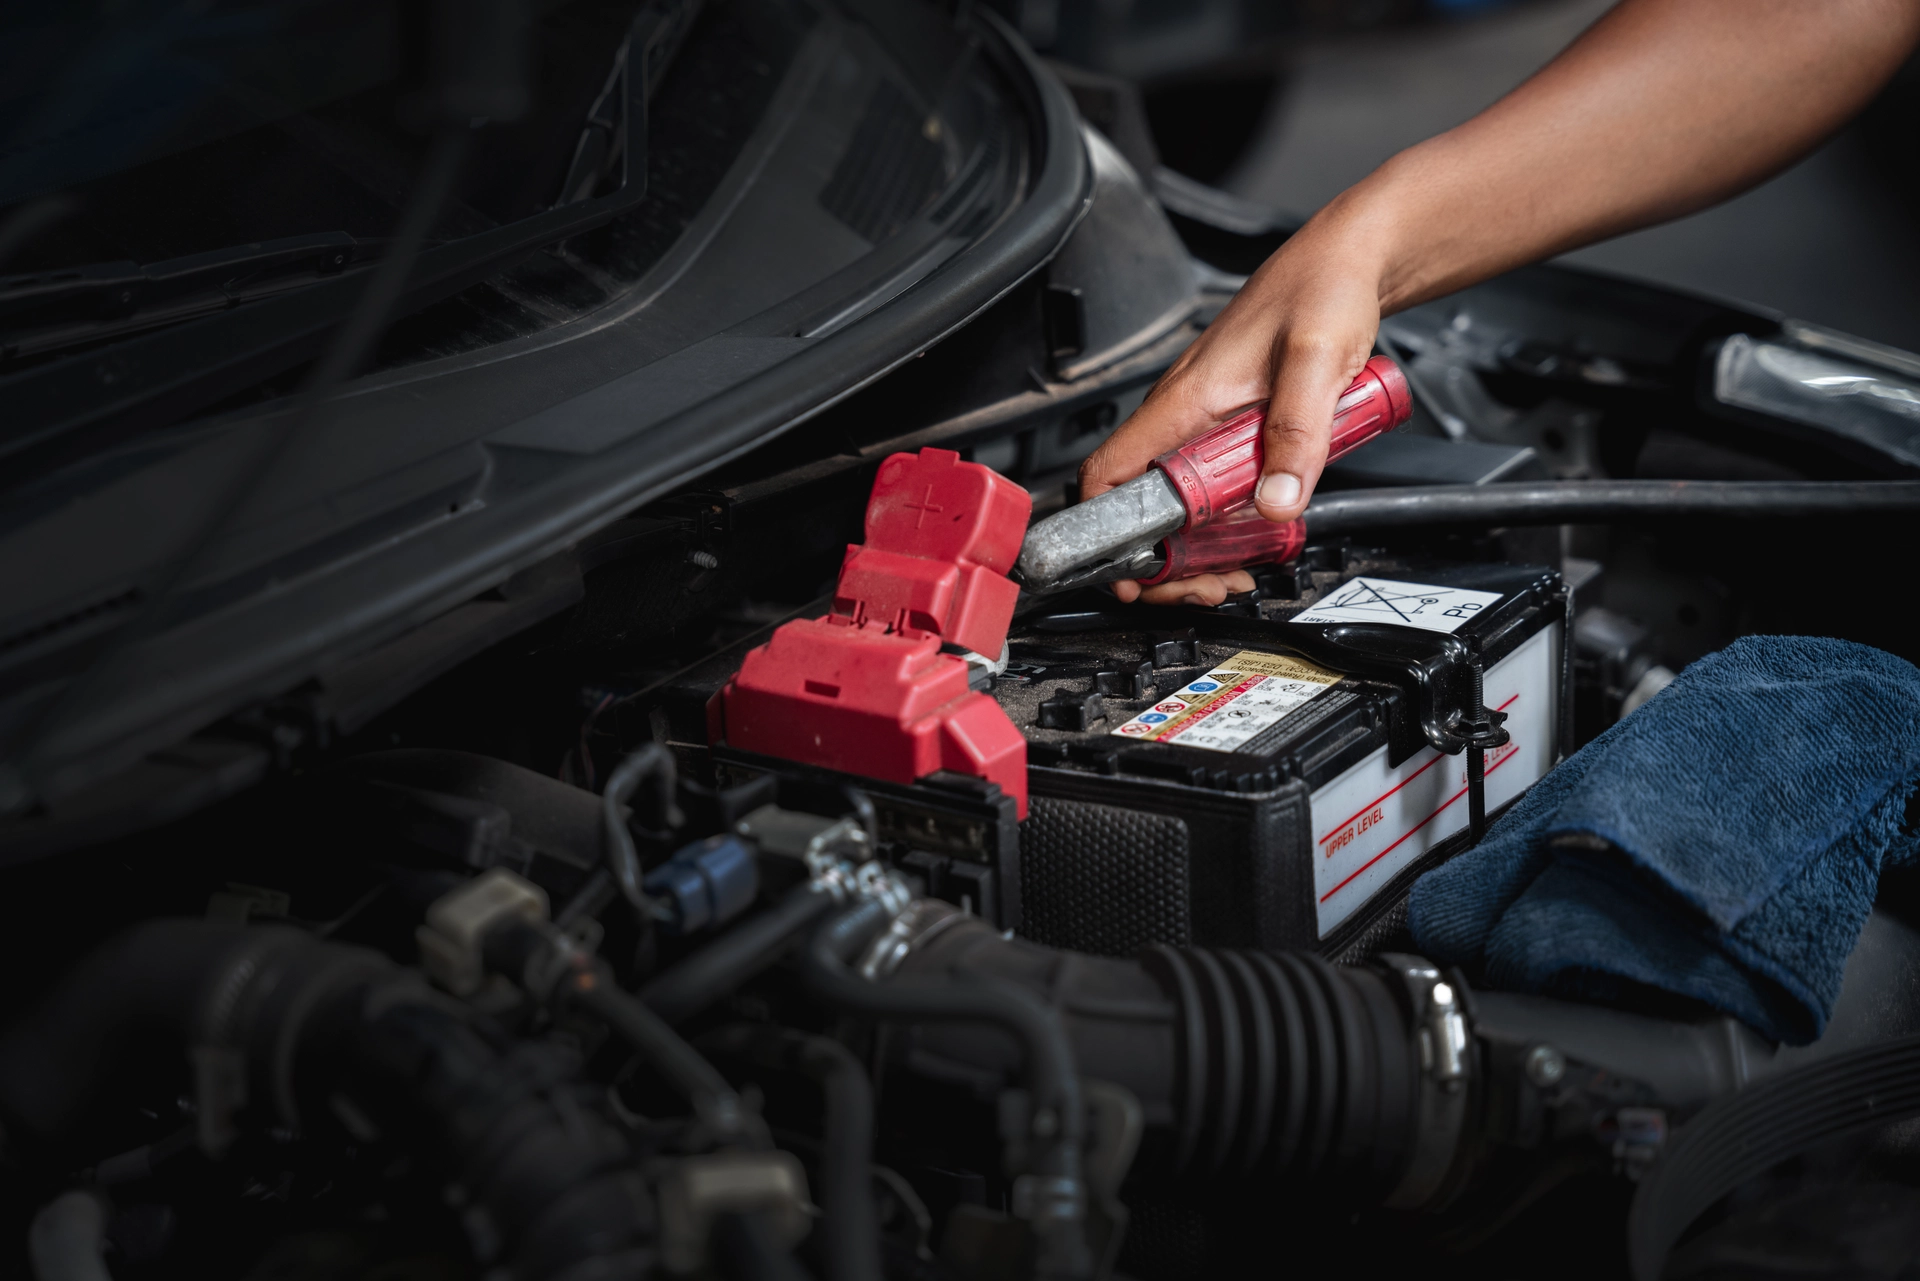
866	690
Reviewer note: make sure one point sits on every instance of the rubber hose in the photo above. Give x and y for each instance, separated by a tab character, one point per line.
1600	501
744	1250
743	951
138	996
307	1023
714	1101
1291	1067
1053	1079
849	1223
512	1126
68	1239
650	763
1246	1064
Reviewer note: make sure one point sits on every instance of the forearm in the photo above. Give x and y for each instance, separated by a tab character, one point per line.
1663	107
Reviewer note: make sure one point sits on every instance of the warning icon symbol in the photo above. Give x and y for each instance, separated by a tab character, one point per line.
1384	600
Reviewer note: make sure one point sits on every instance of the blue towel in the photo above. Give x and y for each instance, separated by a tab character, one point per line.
1724	842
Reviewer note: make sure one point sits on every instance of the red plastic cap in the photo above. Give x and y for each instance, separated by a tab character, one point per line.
867	690
941	535
865	701
933	505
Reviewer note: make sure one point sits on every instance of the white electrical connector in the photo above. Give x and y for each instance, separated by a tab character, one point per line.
698	1189
457	922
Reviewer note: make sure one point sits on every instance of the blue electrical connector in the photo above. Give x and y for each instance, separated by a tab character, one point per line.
705	883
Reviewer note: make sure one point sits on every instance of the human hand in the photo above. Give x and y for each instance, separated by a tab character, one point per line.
1659	109
1296	336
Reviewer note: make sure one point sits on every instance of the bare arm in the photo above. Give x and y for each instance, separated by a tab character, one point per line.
1663	107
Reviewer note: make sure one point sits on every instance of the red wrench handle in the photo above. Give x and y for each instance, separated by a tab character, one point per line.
1215	473
1244	538
1234	533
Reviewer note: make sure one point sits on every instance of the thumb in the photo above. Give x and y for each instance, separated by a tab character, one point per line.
1299	423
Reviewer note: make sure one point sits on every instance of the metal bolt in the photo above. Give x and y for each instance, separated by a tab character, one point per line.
1544	1065
703	558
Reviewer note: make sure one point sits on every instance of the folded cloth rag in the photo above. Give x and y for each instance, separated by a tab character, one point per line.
1724	842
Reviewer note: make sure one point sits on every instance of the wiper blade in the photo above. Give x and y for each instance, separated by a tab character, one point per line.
52	310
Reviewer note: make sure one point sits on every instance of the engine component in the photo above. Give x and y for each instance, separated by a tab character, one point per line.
1616	668
68	1238
1273	776
868	689
1190	499
752	946
1379	1085
458	923
704	1191
283	1030
1373	1085
852	1235
1850	1094
707	883
1048	1192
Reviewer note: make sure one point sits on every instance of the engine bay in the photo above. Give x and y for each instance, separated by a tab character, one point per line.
554	905
668	1005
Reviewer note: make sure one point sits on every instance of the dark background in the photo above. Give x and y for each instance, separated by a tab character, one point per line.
1289	103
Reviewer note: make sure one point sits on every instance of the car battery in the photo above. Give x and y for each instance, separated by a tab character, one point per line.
1217	777
1242	781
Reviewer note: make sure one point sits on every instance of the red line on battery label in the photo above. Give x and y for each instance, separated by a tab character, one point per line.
1383	796
1333	832
1511	753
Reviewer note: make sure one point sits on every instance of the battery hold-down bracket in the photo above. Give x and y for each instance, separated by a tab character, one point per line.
875	688
1444	674
1436	668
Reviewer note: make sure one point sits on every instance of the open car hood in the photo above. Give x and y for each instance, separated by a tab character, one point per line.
887	175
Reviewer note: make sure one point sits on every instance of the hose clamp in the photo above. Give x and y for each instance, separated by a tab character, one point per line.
1439	1028
917	922
1043	1199
838	859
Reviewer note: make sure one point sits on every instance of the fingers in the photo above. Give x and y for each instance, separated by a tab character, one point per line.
1165	421
1211	380
1202	589
1310	375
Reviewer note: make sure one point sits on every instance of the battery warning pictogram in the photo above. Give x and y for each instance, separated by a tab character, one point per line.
1385	600
1232	704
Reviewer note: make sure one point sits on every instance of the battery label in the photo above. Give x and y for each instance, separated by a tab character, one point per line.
1232	704
1384	600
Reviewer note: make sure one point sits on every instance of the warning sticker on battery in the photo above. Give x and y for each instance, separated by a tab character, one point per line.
1231	704
1384	600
